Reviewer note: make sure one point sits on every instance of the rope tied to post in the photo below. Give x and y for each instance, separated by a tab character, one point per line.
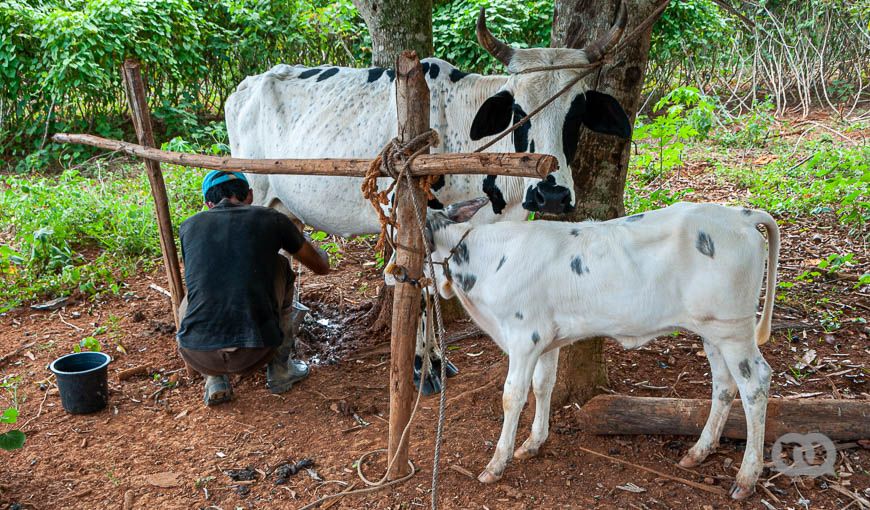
392	157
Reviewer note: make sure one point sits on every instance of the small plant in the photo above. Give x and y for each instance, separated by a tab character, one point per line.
88	343
332	248
11	439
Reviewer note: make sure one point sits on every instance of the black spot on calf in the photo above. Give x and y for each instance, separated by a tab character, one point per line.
460	253
518	315
744	369
332	71
500	263
425	66
536	338
436	204
375	74
575	232
578	267
391	74
747	212
309	73
466	282
704	244
434	70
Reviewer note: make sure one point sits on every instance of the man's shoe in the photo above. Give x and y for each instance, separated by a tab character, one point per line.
217	390
282	375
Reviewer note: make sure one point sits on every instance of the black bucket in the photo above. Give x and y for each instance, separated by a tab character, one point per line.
82	381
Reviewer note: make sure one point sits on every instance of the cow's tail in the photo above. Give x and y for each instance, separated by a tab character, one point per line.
762	330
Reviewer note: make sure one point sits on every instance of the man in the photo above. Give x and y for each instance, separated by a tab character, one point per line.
237	313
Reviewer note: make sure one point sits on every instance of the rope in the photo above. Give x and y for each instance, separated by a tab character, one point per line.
394	155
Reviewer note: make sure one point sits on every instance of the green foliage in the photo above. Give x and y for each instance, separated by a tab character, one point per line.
662	140
332	247
833	180
88	343
11	439
83	232
521	24
751	129
60	61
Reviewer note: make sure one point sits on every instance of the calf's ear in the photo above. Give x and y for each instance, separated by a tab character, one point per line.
461	212
604	114
494	116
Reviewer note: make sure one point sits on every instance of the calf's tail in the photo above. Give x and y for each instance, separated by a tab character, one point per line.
762	330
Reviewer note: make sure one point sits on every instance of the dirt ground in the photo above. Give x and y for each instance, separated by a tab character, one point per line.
158	446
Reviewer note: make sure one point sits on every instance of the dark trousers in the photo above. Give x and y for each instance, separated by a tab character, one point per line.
244	360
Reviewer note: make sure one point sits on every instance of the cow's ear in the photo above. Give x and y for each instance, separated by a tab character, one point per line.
604	114
494	116
461	212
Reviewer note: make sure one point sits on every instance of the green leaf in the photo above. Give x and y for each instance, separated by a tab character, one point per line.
9	416
12	440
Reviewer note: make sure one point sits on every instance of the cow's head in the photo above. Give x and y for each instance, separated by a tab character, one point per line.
555	129
445	243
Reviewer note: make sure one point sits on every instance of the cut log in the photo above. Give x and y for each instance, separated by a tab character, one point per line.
511	164
843	420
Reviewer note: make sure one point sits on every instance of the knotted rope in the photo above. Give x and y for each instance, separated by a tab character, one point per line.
392	157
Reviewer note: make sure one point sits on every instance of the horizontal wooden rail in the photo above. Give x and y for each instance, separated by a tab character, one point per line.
510	164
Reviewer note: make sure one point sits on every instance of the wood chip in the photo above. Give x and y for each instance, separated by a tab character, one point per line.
461	470
166	479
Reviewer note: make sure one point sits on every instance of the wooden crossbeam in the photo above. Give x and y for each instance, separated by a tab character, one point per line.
511	164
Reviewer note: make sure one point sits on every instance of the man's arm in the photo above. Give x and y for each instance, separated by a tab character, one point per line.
313	258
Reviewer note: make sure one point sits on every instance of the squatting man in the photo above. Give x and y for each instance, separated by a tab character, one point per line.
237	315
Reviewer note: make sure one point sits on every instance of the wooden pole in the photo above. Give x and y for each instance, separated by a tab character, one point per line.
142	123
412	101
846	420
522	164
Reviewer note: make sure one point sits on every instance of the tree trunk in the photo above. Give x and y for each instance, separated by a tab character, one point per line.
397	25
601	162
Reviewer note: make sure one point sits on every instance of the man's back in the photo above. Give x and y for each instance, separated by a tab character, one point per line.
231	260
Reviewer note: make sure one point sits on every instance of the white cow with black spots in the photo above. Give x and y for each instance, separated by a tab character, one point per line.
337	112
537	286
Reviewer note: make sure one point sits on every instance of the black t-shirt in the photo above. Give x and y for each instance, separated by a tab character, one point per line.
230	263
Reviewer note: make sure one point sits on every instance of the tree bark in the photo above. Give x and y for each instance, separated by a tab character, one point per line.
601	163
397	25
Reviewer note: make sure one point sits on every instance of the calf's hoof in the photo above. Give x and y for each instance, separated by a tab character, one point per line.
690	461
488	477
523	453
739	492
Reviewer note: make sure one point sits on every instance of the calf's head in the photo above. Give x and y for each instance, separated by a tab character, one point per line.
443	235
555	129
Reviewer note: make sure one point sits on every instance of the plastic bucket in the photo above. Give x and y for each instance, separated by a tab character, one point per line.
82	381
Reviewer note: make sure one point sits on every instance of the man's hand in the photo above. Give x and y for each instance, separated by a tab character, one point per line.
313	258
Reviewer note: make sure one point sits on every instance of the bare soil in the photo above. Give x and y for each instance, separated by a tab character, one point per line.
158	446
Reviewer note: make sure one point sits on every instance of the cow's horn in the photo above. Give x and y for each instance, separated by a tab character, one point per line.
496	48
597	48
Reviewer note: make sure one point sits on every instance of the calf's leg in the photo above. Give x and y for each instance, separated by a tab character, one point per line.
542	384
516	389
752	374
724	389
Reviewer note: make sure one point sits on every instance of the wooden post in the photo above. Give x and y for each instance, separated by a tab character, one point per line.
142	122
412	101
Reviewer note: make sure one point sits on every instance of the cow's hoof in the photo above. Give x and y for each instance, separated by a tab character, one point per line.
488	477
523	453
739	492
689	461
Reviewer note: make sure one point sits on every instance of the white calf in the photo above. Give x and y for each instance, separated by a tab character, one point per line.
537	286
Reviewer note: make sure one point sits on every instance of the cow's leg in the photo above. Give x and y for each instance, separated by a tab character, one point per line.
752	374
542	384
516	389
724	390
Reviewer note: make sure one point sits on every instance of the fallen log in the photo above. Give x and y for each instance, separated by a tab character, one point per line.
843	420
